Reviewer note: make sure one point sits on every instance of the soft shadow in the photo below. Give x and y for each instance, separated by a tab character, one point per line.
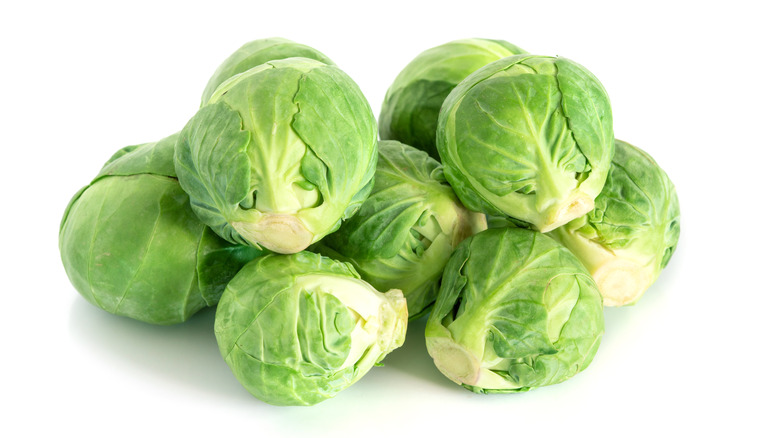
186	352
412	357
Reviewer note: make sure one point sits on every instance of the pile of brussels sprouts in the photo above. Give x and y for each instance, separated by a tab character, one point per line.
317	242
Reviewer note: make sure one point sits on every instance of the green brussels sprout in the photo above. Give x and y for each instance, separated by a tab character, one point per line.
255	53
297	329
527	137
516	311
280	154
406	230
132	246
413	101
631	234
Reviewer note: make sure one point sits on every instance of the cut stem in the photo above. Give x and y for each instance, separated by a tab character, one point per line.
280	233
621	281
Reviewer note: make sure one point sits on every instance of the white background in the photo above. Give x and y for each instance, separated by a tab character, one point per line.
693	83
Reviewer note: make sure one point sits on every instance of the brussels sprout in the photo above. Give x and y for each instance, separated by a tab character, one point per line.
131	244
630	236
405	232
528	137
297	329
280	155
413	101
255	53
516	311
